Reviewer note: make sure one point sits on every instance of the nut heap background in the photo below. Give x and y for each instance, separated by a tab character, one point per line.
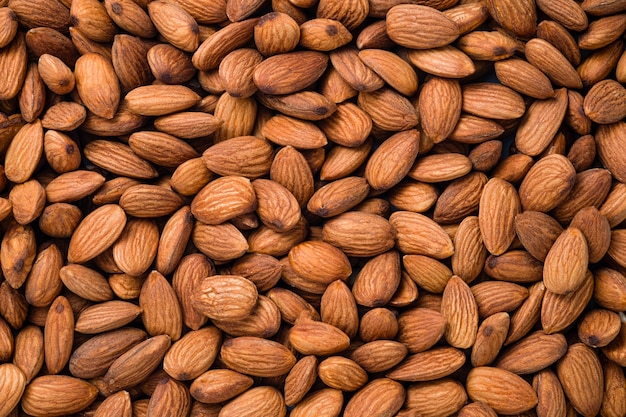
253	208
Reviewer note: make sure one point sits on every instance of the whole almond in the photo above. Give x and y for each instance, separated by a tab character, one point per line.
289	72
371	397
175	24
218	385
317	338
441	361
58	335
444	395
93	358
499	204
12	387
96	232
540	123
566	263
403	19
558	311
578	361
276	33
459	309
136	364
209	205
520	18
261	400
225	297
493	387
47	396
256	356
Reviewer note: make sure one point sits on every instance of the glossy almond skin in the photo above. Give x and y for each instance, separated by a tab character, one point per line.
400	31
566	263
96	233
256	356
43	395
494	387
12	387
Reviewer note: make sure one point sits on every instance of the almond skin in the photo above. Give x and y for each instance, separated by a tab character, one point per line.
256	356
494	386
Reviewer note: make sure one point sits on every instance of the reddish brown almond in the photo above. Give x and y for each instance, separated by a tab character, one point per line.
97	85
383	395
175	24
119	159
256	356
72	186
420	329
219	385
441	362
445	396
396	72
93	358
262	400
359	234
523	78
406	26
57	395
445	61
496	296
223	199
411	227
540	123
58	335
608	138
326	401
551	399
290	72
439	104
459	309
247	156
502	390
489	339
105	316
225	297
558	311
388	109
12	387
96	233
580	374
277	208
598	327
519	18
566	263
499	204
533	353
136	364
317	338
341	373
159	100
492	101
547	183
277	32
401	147
214	48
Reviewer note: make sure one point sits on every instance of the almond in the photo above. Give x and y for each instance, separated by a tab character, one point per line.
290	72
219	385
579	364
57	395
256	356
402	21
502	390
371	397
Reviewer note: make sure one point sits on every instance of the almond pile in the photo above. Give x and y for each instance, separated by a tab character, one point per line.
366	208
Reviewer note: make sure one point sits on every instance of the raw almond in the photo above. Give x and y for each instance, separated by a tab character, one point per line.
256	356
